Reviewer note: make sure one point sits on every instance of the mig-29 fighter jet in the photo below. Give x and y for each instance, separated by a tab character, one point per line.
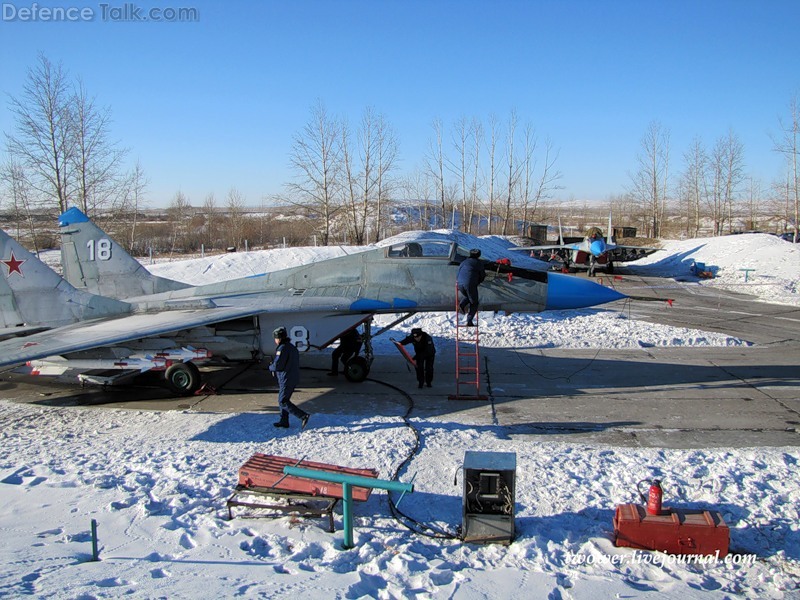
152	324
593	252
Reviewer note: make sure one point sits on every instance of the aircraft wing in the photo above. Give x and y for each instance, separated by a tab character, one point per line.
627	253
86	335
549	247
21	331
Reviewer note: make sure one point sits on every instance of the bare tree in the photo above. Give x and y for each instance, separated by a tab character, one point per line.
96	161
727	173
783	200
316	160
695	185
417	188
212	225
650	182
354	210
387	153
20	192
43	143
787	144
476	131
754	202
546	183
461	165
366	174
136	187
493	134
235	218
467	139
179	216
435	161
513	171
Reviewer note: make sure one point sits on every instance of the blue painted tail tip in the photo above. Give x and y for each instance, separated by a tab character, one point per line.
567	292
72	216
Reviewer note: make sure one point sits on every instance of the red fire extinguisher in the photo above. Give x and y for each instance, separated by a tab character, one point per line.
654	496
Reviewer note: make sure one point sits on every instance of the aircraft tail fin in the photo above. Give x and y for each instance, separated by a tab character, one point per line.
609	235
94	262
560	233
33	295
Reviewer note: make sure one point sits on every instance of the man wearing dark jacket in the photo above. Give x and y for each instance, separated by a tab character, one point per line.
424	354
286	368
349	346
470	274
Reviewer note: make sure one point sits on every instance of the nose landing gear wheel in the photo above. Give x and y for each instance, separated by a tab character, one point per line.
357	369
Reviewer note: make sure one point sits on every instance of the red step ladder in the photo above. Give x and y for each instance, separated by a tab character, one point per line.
468	365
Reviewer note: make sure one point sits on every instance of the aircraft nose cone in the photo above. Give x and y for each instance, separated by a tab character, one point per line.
597	247
566	292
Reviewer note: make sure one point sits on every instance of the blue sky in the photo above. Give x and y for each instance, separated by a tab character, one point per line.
213	104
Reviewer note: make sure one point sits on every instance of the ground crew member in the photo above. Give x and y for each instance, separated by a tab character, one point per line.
286	368
424	354
470	274
349	346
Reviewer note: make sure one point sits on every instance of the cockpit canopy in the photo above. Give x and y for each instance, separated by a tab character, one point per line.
438	249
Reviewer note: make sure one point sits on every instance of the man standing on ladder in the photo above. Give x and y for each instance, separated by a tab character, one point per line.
470	274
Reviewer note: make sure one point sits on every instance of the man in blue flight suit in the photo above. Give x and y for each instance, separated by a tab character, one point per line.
470	274
286	368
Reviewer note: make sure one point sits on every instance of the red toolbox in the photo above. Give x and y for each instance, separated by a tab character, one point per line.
266	471
674	531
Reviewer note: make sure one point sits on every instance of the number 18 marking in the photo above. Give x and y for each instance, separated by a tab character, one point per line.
100	249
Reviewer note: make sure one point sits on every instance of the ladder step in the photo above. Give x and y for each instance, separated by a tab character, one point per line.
468	371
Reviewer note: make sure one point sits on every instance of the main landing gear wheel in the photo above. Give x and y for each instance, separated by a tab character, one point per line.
356	369
183	379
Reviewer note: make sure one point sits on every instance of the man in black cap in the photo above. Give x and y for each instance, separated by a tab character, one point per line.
424	354
470	274
286	367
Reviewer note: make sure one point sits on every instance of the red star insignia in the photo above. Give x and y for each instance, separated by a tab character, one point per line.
13	265
29	344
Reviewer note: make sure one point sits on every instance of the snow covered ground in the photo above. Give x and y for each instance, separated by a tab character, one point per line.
156	482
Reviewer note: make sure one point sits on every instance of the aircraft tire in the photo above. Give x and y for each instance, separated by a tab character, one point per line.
183	378
356	369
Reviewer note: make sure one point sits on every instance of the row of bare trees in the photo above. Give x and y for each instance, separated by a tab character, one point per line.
712	186
481	176
474	177
343	175
60	153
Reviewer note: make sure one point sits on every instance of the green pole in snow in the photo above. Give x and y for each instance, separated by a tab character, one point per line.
95	553
348	481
